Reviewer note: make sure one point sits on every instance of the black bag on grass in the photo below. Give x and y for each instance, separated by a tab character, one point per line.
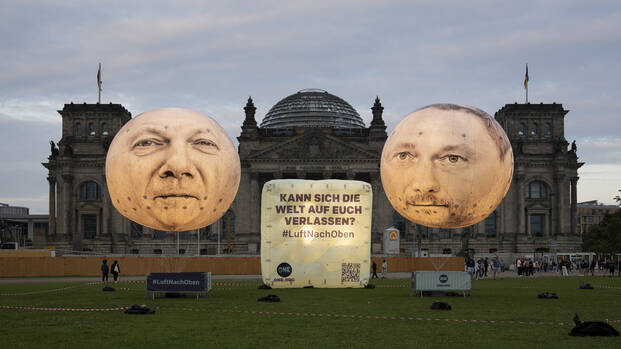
586	287
270	298
440	306
108	289
548	295
139	310
592	328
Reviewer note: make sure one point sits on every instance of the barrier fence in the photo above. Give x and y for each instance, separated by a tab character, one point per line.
136	265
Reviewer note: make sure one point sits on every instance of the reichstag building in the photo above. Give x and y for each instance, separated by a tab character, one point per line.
313	134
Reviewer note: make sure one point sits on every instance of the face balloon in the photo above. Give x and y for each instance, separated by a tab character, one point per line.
446	166
172	169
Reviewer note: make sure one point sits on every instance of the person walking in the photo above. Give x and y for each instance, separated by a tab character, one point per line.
470	267
592	266
384	269
374	267
564	268
495	267
115	271
104	270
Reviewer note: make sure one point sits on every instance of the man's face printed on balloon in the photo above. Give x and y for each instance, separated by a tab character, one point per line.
446	166
172	169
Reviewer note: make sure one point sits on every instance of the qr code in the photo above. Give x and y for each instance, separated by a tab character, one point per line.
350	272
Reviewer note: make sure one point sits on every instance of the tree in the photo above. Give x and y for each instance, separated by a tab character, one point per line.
604	237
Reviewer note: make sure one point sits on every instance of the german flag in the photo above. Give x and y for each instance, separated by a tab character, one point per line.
99	77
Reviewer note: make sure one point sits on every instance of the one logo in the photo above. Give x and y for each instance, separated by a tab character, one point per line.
443	278
394	235
284	269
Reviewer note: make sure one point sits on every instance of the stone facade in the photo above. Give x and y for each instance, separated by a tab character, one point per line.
539	212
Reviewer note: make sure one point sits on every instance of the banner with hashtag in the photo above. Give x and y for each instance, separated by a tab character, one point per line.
316	233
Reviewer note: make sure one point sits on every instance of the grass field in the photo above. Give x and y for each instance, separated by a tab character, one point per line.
508	314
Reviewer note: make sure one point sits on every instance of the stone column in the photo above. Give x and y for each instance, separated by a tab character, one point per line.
52	199
558	215
255	207
67	205
105	216
521	227
574	206
382	210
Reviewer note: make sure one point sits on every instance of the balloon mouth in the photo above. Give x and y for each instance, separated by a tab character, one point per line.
427	205
175	196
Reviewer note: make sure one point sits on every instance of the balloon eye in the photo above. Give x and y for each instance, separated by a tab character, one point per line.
144	143
205	143
403	155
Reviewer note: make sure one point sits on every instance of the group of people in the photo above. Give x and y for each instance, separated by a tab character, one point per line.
595	265
384	269
114	269
482	268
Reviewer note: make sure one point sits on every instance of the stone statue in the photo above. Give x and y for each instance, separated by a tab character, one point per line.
446	166
573	146
53	149
172	169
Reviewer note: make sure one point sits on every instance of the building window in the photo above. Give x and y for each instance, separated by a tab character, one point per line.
537	190
136	230
547	129
157	251
203	252
104	129
398	222
89	225
228	224
536	224
159	234
182	251
135	251
522	129
446	251
91	129
90	191
490	225
423	231
206	233
444	234
533	129
78	129
493	250
41	228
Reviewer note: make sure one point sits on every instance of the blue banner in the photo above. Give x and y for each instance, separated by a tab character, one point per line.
176	282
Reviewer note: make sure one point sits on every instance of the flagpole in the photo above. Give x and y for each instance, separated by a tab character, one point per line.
99	85
526	83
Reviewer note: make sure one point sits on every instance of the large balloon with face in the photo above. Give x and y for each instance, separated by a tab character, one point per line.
446	166
172	169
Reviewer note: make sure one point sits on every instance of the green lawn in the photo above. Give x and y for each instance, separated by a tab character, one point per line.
382	317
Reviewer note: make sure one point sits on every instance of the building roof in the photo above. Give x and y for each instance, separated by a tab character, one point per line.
312	108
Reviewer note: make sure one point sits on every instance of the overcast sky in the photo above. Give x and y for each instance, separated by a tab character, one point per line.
210	56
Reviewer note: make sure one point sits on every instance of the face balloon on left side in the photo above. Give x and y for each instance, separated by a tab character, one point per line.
172	169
